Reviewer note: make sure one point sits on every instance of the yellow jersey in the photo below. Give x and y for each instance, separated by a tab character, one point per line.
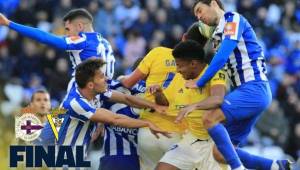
179	96
160	67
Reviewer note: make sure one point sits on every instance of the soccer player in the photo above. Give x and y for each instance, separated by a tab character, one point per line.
195	149
158	68
119	149
245	65
83	105
80	41
40	101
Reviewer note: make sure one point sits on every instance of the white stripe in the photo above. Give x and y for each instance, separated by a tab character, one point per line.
70	131
236	19
246	62
76	57
260	68
116	107
126	147
112	142
79	110
233	63
82	133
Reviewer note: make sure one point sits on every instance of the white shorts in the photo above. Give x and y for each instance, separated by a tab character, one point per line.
151	149
191	153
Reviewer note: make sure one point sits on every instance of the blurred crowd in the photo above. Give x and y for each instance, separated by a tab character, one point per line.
135	26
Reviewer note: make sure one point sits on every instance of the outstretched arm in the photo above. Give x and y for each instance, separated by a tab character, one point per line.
34	33
130	80
106	116
217	93
218	61
135	101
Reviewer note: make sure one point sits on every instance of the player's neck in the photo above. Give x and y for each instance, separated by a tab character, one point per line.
89	30
86	93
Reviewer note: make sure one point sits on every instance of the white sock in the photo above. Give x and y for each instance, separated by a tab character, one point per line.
240	168
275	165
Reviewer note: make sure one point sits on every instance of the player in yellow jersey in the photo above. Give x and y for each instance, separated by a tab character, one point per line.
158	68
195	149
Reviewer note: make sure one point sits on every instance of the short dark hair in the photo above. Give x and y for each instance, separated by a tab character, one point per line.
86	71
193	33
207	2
78	13
38	91
190	50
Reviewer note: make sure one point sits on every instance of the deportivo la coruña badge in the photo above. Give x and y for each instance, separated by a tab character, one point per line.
28	126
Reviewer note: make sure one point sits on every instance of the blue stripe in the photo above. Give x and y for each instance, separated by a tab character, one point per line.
85	106
119	140
107	141
255	70
168	80
239	65
63	129
88	133
132	149
91	129
77	132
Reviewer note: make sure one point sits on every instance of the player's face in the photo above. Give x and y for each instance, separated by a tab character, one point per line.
184	67
206	13
71	28
41	102
100	84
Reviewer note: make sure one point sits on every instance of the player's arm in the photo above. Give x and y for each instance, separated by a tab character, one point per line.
215	99
106	116
159	96
130	80
34	33
218	61
217	93
135	101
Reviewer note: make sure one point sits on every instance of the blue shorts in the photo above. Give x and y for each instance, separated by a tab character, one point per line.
243	106
128	162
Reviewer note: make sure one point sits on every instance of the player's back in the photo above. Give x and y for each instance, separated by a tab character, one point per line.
247	62
119	150
88	45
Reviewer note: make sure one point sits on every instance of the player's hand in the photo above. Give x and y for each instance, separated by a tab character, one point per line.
98	132
156	130
184	112
160	109
192	84
154	88
3	20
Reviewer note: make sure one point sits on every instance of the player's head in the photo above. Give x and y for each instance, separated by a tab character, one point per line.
193	33
190	59
88	75
77	20
40	101
208	11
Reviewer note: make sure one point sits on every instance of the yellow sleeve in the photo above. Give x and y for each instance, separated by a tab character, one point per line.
219	78
147	61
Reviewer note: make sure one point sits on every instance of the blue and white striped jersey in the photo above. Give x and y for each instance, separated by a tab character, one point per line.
118	140
77	129
247	62
87	45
